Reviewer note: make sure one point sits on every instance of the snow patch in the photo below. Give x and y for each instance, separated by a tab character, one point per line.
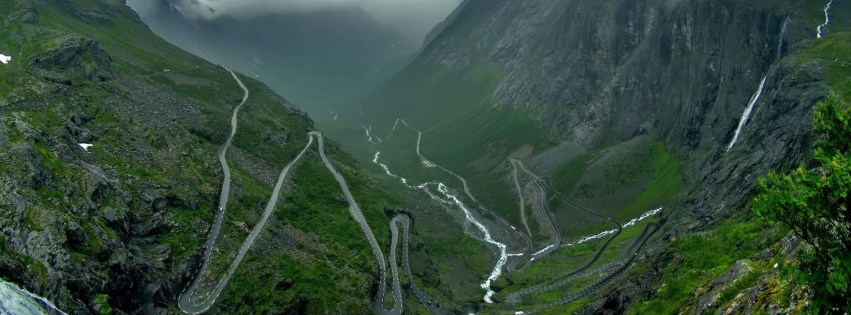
85	146
5	59
15	300
747	113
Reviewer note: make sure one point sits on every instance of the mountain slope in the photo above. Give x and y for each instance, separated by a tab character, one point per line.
123	222
627	106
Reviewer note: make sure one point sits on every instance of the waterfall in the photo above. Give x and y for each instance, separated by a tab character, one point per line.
747	113
820	29
609	232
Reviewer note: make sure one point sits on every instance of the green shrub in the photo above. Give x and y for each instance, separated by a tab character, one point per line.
102	303
815	203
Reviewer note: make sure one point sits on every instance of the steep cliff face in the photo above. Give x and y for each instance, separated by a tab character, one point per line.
602	73
719	82
684	69
598	74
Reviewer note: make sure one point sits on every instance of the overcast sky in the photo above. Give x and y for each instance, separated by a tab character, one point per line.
412	18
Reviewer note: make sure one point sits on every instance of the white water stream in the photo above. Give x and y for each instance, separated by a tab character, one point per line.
820	29
16	301
387	169
542	250
450	199
368	135
747	113
609	232
501	248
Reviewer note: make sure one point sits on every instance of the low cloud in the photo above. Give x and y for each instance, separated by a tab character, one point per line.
411	18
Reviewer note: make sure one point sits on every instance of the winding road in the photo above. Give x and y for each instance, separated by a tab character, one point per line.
187	304
522	203
648	231
354	210
394	230
185	301
515	297
549	216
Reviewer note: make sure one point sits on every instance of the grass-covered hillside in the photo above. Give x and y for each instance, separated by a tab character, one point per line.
124	223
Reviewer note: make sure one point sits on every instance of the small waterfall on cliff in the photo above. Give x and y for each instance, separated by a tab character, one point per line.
747	113
820	29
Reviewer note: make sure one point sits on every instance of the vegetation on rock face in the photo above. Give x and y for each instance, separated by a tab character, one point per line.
120	227
815	203
700	259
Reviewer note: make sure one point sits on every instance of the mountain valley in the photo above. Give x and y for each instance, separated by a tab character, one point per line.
551	157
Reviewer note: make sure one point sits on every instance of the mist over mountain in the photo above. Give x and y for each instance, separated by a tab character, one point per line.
411	18
317	54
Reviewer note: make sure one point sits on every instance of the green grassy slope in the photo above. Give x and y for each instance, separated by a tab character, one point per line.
623	180
158	124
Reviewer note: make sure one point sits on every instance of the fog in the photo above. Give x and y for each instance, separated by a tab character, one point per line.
411	18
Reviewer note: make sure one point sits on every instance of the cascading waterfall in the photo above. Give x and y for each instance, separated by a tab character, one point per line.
609	232
543	250
820	29
747	113
16	301
755	97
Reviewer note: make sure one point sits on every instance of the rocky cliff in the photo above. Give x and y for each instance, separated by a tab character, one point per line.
727	86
